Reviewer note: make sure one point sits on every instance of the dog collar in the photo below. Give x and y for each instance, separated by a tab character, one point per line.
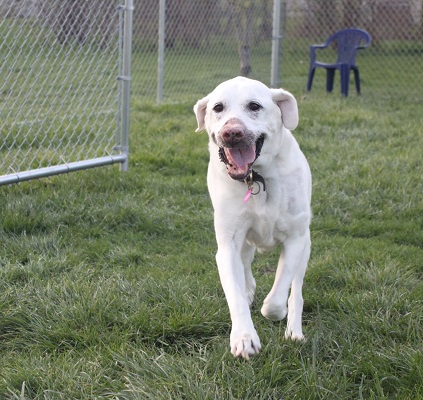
252	177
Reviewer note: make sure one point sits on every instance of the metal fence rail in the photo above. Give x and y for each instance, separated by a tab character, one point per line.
204	42
64	86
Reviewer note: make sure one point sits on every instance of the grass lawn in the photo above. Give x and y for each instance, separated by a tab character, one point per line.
109	290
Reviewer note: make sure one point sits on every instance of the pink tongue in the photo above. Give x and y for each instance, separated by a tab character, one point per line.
243	157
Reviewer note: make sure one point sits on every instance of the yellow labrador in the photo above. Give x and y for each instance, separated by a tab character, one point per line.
260	186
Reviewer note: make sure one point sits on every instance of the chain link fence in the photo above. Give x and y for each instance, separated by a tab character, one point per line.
65	64
208	41
60	100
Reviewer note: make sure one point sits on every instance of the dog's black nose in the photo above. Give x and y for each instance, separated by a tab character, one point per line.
232	135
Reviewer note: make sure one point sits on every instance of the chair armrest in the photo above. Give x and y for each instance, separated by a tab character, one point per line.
313	49
319	46
365	44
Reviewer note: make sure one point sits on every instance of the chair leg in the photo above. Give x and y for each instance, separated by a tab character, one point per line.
345	79
330	76
310	78
357	80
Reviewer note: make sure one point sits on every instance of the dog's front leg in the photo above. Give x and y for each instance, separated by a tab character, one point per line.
244	339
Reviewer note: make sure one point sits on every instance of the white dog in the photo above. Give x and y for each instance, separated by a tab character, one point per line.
260	186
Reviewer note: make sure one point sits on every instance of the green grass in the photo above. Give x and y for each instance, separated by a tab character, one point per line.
109	290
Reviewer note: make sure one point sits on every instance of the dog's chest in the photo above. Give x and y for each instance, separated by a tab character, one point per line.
267	228
269	223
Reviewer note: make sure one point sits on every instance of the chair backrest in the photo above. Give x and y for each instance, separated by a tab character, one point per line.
348	42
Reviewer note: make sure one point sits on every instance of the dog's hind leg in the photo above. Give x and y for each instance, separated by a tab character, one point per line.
291	269
295	301
247	255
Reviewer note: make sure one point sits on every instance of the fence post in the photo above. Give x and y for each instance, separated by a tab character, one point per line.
274	78
161	49
126	81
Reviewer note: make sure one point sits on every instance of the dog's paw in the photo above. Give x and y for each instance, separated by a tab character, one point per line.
294	335
274	312
245	345
294	331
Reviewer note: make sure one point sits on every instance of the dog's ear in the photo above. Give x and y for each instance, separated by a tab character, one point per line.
288	105
200	112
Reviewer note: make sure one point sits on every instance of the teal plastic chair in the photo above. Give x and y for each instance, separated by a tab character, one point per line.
348	41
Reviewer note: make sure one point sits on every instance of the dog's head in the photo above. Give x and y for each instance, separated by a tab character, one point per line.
241	115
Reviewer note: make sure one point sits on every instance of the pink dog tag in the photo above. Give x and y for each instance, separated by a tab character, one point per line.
248	195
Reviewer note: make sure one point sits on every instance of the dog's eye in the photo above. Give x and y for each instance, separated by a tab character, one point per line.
218	108
254	106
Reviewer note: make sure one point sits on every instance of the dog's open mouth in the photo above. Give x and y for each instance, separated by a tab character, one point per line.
239	160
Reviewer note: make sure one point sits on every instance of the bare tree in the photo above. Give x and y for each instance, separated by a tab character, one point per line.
242	13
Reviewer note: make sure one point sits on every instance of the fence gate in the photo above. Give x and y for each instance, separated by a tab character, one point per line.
64	86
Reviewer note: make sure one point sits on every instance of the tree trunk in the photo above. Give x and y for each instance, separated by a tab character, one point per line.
242	15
